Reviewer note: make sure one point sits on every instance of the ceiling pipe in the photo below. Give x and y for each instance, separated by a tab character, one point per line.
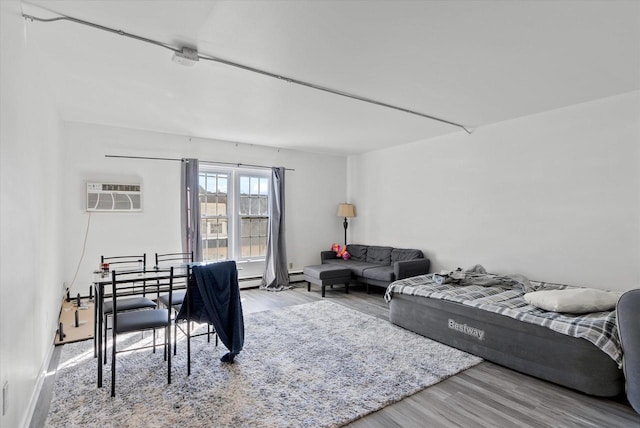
179	52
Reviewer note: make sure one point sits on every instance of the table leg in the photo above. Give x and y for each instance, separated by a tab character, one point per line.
95	322
99	301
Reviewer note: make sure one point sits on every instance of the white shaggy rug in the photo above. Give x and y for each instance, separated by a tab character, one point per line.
312	365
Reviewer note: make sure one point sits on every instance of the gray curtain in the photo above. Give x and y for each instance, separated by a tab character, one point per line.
276	275
190	208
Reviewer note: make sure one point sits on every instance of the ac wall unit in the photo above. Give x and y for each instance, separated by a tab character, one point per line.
107	197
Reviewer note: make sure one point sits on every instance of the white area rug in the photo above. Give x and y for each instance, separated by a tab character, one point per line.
311	365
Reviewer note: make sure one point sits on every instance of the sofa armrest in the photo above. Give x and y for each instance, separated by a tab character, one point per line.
326	255
408	268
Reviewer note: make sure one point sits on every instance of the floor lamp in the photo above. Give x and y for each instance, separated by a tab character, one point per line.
346	211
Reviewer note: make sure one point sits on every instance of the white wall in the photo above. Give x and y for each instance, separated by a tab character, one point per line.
30	222
554	196
313	192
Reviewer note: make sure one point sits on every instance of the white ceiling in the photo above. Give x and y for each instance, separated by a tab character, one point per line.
470	62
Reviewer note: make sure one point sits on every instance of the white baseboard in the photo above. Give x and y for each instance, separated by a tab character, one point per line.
33	401
250	283
296	277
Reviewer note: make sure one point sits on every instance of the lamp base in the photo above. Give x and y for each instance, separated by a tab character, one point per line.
346	225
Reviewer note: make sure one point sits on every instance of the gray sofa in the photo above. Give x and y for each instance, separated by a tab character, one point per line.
379	266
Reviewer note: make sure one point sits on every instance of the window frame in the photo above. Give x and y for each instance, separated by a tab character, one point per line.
204	217
260	175
234	217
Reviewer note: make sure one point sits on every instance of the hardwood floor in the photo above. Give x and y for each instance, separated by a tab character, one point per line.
486	395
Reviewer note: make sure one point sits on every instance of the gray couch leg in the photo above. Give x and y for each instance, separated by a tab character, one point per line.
323	290
308	286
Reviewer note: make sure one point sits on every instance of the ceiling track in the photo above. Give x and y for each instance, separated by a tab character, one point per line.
247	68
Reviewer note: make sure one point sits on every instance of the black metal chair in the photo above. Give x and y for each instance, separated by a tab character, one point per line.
133	321
168	260
173	259
182	261
130	303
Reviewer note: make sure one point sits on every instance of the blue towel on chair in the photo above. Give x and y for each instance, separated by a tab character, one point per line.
216	300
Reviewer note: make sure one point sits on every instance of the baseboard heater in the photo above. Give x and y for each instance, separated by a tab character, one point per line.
256	281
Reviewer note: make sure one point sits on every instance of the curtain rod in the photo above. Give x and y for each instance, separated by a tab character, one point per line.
236	164
247	68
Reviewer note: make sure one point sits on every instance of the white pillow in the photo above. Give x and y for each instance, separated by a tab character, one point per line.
573	300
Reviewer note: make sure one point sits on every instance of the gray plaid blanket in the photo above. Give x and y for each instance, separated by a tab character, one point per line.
507	299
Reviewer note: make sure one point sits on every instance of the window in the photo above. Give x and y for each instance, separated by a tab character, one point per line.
214	215
254	216
234	214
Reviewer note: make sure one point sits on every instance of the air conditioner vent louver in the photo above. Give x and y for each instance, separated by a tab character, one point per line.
108	197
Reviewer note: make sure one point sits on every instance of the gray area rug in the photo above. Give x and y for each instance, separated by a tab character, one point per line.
316	365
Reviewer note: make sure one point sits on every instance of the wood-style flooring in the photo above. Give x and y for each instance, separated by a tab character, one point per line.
486	395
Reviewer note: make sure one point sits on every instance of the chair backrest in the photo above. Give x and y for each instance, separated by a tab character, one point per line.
122	283
125	262
173	259
629	332
180	262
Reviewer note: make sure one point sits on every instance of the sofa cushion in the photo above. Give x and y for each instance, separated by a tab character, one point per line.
379	255
401	254
381	273
358	253
357	268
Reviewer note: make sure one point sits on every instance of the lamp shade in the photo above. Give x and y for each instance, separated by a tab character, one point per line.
346	210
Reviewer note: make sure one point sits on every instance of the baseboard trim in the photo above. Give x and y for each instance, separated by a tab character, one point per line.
250	283
33	401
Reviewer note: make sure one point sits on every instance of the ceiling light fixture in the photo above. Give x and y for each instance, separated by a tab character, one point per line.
186	56
189	56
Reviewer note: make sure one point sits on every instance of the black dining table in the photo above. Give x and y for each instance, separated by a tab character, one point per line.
138	281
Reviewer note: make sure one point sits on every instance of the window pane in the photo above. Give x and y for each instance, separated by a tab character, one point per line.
222	184
255	182
246	247
214	238
203	199
213	194
245	227
221	205
255	227
255	206
263	246
244	185
264	186
244	205
264	209
204	206
214	228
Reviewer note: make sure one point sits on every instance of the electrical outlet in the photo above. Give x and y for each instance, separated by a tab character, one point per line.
5	402
290	265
